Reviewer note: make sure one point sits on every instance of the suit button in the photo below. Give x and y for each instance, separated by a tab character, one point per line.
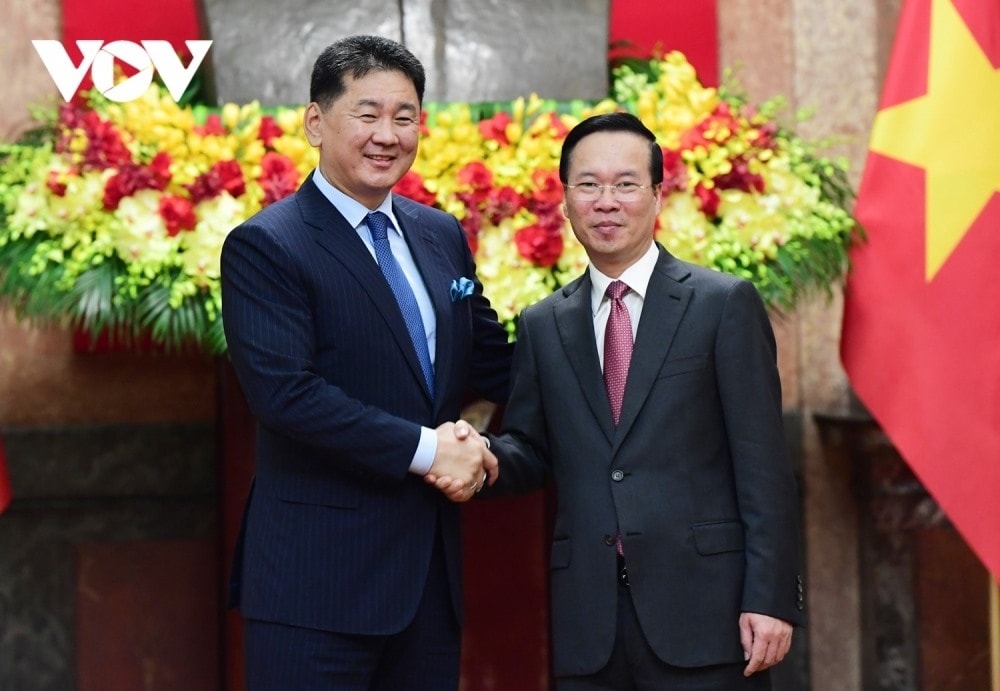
617	475
609	540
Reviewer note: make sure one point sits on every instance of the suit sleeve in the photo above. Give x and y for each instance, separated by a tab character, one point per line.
750	391
522	444
267	315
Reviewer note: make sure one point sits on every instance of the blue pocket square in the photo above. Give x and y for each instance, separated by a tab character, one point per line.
461	288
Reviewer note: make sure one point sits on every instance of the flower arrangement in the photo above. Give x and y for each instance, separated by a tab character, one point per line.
112	216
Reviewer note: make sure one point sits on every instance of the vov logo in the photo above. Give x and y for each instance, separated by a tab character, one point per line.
99	58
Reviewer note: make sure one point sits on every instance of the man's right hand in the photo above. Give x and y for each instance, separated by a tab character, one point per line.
462	463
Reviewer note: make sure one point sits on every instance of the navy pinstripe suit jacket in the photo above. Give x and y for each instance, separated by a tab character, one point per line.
337	534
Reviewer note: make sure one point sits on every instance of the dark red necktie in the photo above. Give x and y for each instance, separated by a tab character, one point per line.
617	348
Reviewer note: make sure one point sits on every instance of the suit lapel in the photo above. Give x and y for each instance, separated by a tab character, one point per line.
434	271
336	236
665	303
575	322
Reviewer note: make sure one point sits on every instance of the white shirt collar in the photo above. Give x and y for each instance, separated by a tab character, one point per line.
351	209
636	277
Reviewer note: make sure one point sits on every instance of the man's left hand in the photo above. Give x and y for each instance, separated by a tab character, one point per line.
766	640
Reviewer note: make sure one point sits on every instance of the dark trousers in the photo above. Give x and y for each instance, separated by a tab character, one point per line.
635	667
422	657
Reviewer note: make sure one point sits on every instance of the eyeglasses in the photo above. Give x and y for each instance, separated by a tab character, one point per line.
622	191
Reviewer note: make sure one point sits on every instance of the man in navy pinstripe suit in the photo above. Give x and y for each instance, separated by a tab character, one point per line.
348	570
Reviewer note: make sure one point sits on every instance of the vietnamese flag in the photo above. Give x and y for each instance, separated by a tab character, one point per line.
921	332
5	491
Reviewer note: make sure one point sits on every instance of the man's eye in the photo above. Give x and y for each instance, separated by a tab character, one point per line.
367	117
589	187
405	122
627	187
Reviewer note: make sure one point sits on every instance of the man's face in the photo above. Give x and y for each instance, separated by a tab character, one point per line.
368	137
615	232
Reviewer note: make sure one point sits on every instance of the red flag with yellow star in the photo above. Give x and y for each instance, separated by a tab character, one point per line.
921	332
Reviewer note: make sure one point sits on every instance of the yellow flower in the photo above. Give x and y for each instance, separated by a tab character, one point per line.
142	235
740	194
202	248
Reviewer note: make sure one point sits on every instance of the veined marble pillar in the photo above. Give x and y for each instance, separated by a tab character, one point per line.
473	50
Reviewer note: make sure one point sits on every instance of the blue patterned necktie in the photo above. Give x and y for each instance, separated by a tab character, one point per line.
378	223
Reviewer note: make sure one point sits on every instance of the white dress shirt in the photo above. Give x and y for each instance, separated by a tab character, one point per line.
636	277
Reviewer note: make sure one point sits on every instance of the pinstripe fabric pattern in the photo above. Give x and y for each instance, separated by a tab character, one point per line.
424	658
337	533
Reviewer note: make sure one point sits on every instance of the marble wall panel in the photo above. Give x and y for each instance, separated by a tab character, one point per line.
25	80
265	50
83	487
484	50
472	50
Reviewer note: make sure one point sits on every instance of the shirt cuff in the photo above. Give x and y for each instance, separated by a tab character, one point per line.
423	457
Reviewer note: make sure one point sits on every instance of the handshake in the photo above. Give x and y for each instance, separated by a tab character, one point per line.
463	462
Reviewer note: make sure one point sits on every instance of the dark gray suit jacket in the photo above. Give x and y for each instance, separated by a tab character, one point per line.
696	477
338	533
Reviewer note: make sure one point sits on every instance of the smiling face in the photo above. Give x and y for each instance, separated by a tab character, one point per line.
368	136
615	233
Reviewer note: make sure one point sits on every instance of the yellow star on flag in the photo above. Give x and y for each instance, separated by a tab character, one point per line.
953	132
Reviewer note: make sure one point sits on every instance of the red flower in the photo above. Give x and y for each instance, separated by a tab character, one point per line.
766	135
213	125
675	172
503	203
548	187
740	178
105	148
278	177
412	187
708	199
550	216
269	130
717	127
223	176
496	128
472	224
539	245
56	183
177	213
478	177
160	168
132	177
558	126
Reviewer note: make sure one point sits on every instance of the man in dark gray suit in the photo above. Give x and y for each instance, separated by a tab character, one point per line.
648	390
356	326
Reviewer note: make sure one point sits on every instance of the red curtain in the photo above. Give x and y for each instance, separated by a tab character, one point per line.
689	26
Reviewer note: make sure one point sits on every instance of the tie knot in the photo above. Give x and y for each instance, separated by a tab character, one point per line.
378	224
616	289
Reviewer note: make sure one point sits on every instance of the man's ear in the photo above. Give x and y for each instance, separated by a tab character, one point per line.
312	121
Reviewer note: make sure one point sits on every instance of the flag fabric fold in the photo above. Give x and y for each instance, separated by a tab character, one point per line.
921	330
